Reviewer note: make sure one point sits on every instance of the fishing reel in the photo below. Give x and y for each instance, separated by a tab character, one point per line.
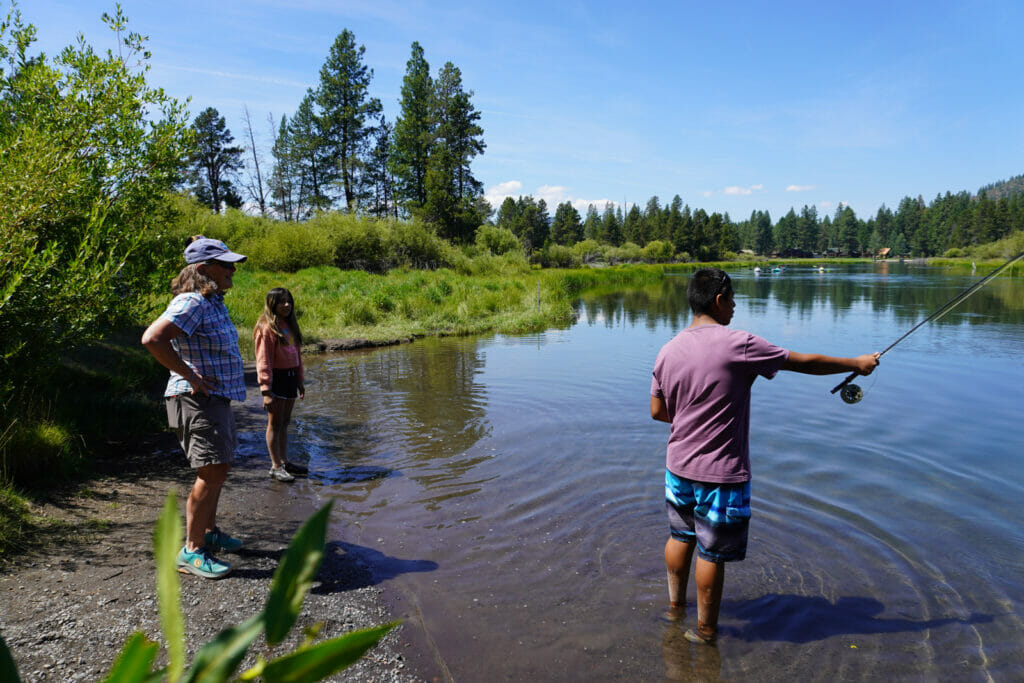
851	393
848	391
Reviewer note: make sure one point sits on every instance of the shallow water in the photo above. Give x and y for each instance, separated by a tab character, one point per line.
507	491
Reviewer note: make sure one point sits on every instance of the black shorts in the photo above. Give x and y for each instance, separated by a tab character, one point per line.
285	383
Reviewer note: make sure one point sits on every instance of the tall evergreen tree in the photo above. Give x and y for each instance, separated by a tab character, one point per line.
611	225
507	213
566	227
378	172
414	131
592	224
345	110
633	226
652	224
312	159
458	127
285	179
215	161
764	239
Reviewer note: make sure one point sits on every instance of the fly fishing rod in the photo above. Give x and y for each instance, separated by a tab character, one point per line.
851	393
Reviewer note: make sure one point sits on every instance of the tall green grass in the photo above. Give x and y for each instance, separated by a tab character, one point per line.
333	303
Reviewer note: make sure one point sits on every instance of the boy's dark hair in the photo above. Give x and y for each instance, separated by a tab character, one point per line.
705	285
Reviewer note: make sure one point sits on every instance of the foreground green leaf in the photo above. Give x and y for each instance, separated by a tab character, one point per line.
326	658
166	539
220	657
294	576
135	663
8	670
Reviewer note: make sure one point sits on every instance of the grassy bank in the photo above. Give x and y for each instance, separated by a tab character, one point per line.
335	304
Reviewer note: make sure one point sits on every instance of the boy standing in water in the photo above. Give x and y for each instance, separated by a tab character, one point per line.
701	386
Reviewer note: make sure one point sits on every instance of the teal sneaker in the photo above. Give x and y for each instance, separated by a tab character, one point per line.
202	563
218	540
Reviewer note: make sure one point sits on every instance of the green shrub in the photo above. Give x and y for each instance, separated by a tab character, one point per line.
286	247
497	240
658	251
558	256
627	253
35	452
588	251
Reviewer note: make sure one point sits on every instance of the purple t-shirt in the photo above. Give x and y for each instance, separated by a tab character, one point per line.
704	377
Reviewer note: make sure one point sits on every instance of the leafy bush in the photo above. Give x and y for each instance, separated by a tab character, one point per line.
558	256
219	659
588	251
497	240
287	247
658	251
627	253
84	212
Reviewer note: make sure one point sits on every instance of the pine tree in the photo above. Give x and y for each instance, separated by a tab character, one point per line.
378	173
566	228
611	225
414	132
312	159
285	180
592	224
215	161
345	108
458	127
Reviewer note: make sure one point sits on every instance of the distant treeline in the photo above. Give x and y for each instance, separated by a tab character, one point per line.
950	222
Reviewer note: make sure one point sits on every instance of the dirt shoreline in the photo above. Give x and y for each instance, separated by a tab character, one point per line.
66	611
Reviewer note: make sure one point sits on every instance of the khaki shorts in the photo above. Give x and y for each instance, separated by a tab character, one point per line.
205	427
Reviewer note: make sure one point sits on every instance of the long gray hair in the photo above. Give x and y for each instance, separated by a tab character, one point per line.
190	279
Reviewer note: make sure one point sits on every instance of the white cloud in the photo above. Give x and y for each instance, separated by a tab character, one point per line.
497	194
707	193
826	205
736	190
553	195
800	188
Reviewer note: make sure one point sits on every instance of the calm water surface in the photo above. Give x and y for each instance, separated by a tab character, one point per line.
507	491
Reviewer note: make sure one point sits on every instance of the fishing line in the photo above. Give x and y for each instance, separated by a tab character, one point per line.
851	393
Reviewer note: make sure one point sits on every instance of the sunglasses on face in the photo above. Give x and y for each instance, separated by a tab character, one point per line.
223	264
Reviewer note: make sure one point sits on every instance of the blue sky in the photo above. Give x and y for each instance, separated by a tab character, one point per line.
733	106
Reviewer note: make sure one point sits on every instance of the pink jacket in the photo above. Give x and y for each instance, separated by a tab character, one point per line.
271	354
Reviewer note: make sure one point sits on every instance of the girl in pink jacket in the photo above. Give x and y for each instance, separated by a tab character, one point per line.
279	372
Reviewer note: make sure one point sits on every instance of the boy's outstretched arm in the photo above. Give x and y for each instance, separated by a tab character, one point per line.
658	410
816	364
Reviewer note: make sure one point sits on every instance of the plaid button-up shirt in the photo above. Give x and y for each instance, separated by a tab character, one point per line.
209	345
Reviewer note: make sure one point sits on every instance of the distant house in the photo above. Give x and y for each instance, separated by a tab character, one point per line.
884	252
793	252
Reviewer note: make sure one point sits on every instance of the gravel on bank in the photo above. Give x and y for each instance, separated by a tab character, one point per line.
66	611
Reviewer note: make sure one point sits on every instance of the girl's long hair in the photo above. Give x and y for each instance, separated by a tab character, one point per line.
271	321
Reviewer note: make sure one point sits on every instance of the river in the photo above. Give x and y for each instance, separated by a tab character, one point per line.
507	491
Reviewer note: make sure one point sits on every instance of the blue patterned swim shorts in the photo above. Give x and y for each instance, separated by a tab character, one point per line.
717	516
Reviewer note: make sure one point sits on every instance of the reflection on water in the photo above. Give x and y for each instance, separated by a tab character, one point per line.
507	490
